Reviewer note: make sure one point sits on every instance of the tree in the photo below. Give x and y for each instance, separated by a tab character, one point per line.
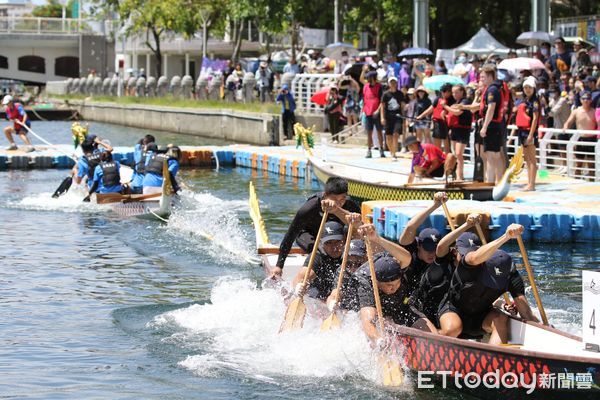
52	9
154	18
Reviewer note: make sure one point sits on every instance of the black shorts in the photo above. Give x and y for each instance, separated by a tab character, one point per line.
472	323
393	125
460	135
493	139
522	134
438	172
440	130
586	149
371	122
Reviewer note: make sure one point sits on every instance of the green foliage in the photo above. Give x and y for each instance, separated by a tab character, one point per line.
52	9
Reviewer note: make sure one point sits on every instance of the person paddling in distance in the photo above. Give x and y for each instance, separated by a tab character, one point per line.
139	160
107	177
153	169
483	273
92	148
16	113
327	261
348	301
305	225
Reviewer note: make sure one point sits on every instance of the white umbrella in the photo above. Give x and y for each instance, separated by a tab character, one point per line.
334	50
534	38
520	64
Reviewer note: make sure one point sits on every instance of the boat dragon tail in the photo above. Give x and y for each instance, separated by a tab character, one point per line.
512	172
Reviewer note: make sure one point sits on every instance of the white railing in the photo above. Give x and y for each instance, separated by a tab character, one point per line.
305	85
63	26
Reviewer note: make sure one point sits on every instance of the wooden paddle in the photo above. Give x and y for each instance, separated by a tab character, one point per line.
391	370
333	322
534	289
294	315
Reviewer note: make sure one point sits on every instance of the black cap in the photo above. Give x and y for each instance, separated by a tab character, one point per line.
410	140
332	231
467	242
429	238
497	270
152	147
590	79
585	95
357	248
387	269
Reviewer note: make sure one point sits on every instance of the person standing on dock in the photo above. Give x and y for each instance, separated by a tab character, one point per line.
392	107
584	119
372	92
305	225
288	106
459	122
528	119
16	113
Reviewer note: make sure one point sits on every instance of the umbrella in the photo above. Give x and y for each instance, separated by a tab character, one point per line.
534	38
415	52
334	50
585	43
320	97
520	63
435	82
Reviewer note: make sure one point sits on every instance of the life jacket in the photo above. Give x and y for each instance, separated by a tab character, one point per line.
501	109
93	160
110	174
460	121
525	114
140	166
13	113
469	293
438	109
155	166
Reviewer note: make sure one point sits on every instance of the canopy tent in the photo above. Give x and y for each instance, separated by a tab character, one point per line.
481	43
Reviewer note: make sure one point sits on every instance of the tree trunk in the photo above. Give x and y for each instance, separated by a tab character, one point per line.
378	38
238	40
294	38
156	49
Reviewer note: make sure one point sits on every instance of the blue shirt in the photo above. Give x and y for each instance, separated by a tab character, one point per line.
83	168
154	180
137	178
98	178
287	101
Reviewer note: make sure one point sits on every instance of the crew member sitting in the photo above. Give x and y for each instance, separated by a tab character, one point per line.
92	148
16	113
139	161
483	274
428	160
153	178
357	256
305	225
326	262
107	178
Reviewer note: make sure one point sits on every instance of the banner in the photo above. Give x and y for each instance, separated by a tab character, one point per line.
314	37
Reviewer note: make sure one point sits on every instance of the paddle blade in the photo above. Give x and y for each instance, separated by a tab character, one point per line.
63	187
392	372
294	316
332	322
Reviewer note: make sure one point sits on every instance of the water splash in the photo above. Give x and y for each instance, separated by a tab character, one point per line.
237	332
72	201
216	222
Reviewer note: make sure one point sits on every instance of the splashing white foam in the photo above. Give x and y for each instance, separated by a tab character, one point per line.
237	331
72	201
216	223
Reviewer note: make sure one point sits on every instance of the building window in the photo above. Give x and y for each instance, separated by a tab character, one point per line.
3	62
32	64
67	66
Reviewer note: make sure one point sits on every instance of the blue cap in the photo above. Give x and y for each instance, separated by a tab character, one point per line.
497	270
371	74
285	86
429	238
467	242
357	248
332	231
387	269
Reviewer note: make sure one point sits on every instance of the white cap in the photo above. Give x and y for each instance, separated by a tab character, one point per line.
530	81
392	78
7	99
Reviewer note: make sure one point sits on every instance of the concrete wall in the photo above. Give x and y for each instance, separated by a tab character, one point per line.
235	126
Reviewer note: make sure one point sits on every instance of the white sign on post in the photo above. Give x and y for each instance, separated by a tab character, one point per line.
591	310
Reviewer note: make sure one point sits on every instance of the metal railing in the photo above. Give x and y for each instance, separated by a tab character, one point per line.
304	86
64	26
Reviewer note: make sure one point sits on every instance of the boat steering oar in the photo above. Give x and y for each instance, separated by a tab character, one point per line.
479	233
534	289
333	322
296	311
65	185
391	370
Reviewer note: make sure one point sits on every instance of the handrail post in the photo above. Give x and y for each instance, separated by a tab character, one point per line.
543	148
39	26
597	162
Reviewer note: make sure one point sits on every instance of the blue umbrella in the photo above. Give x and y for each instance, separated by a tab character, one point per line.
435	82
334	50
415	52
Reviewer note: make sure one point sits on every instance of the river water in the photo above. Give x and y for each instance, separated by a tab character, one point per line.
99	307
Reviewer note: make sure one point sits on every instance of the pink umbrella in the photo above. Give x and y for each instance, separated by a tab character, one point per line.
521	63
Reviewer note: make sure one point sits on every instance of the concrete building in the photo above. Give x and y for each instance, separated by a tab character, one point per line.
15	8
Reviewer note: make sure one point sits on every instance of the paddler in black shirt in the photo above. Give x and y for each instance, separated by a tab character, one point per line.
483	274
305	225
357	256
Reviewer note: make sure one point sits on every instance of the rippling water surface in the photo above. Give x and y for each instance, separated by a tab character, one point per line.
99	307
